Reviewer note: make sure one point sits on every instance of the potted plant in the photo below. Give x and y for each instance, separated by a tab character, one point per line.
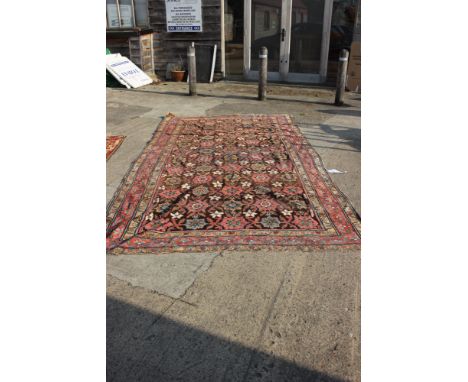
178	71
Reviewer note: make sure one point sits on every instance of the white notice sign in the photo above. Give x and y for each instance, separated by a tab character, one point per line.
184	16
126	72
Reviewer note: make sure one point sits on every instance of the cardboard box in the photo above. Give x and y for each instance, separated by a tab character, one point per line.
355	52
353	82
354	85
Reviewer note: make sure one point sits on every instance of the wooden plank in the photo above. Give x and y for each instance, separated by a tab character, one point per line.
327	18
223	43
247	35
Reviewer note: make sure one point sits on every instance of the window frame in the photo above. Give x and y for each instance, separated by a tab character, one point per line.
117	4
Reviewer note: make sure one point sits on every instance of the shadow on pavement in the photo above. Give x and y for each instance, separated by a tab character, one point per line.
351	113
143	346
333	135
349	136
252	97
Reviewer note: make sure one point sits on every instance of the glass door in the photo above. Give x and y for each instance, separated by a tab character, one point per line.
266	27
306	32
266	31
296	34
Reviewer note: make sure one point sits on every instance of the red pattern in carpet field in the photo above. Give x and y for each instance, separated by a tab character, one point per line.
112	144
228	182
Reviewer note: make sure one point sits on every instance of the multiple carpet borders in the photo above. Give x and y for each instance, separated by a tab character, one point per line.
228	183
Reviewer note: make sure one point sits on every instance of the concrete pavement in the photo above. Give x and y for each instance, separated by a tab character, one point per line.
236	316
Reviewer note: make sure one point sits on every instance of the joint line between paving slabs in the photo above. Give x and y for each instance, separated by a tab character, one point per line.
267	318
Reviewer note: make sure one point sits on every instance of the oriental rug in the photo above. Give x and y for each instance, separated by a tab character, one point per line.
112	144
228	183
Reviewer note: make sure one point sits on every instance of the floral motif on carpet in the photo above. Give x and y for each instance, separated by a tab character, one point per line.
228	182
112	144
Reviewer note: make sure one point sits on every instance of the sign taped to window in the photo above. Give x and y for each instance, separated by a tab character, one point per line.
112	16
184	16
126	15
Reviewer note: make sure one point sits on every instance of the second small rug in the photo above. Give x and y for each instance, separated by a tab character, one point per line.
112	144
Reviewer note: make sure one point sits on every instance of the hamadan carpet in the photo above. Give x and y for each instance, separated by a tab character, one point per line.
112	144
228	183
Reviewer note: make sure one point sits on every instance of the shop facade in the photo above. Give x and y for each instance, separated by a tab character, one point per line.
303	37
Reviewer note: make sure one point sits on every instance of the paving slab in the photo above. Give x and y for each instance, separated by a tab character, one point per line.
168	274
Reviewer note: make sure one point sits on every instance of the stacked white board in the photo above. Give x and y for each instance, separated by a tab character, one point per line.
126	72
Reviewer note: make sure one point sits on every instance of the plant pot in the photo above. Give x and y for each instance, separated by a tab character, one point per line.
177	75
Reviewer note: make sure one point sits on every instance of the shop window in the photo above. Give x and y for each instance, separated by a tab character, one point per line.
342	32
127	13
342	26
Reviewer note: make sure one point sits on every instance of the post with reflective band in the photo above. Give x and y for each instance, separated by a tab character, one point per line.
341	77
262	80
192	70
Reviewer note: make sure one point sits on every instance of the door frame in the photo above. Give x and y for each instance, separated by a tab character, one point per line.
285	47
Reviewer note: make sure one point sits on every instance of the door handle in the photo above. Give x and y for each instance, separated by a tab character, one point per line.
283	33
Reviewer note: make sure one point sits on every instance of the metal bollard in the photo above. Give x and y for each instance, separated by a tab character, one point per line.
341	77
192	64
262	80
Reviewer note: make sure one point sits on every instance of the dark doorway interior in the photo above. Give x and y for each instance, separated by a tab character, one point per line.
341	34
234	37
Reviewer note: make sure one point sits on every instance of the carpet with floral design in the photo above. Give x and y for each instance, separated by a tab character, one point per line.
228	183
112	144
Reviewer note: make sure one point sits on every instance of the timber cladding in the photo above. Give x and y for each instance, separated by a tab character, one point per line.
169	46
118	45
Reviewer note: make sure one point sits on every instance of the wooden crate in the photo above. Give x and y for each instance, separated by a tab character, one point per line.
141	52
